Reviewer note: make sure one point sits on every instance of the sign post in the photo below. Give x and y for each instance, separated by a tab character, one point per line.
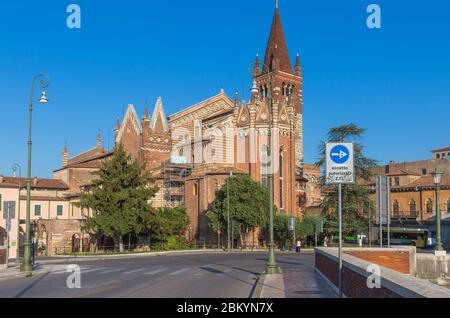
291	227
340	170
383	206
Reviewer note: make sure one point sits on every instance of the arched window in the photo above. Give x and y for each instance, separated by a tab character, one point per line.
396	208
283	90
429	206
195	189
412	207
292	90
281	179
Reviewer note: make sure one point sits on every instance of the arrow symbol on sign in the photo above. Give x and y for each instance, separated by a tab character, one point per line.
341	154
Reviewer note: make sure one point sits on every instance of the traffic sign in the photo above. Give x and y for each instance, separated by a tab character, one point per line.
340	163
291	224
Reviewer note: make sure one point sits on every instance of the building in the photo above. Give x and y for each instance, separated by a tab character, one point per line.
192	152
56	222
413	199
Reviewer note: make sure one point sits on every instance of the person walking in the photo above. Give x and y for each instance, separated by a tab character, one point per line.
298	246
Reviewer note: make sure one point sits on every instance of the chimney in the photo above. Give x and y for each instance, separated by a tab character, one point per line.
1	179
35	181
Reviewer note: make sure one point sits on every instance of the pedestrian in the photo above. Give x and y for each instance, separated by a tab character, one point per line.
298	246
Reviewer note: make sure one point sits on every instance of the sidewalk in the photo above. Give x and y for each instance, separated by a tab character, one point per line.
301	284
13	271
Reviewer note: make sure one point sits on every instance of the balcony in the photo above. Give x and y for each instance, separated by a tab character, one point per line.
405	215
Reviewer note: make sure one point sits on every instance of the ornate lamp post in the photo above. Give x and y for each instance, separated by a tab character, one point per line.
17	168
437	177
272	267
43	81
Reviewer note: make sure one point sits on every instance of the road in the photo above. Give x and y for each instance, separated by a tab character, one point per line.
180	276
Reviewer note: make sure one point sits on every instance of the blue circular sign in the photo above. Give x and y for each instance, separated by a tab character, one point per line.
340	154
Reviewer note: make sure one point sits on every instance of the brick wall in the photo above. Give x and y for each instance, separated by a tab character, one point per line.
395	260
354	284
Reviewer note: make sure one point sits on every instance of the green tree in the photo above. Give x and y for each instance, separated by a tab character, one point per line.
119	197
283	236
249	206
165	222
355	197
307	226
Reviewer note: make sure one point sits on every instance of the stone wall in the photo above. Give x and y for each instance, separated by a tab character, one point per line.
355	276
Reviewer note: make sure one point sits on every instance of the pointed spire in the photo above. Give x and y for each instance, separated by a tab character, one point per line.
236	99
65	156
277	55
256	67
298	67
99	139
159	120
145	116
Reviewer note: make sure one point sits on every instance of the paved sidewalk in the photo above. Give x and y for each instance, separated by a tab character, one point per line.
14	271
301	284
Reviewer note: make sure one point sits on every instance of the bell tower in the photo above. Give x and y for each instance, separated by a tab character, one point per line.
286	83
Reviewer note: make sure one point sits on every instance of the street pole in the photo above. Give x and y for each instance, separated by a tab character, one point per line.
380	212
16	167
370	227
340	240
272	267
228	216
439	246
43	83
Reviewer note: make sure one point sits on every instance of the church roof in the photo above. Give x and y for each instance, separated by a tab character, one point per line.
277	51
159	119
36	183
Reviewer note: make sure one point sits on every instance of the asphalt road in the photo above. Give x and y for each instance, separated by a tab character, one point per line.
181	276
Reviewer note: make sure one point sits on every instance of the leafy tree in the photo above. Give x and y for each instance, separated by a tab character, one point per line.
165	222
249	206
281	232
119	197
307	226
355	197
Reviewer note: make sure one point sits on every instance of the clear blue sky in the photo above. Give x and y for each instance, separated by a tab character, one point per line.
395	81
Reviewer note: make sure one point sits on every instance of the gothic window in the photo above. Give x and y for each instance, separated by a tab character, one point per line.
412	206
195	189
281	179
284	92
429	206
396	207
292	90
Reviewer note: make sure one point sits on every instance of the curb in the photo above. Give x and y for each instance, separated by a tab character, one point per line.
60	258
257	288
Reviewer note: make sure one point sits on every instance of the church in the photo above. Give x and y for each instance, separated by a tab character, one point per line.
192	152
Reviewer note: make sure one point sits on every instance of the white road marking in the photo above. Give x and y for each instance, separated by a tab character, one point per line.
156	271
134	271
178	272
112	271
92	270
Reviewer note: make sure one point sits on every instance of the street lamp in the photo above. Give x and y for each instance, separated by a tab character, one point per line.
43	81
272	267
437	177
17	168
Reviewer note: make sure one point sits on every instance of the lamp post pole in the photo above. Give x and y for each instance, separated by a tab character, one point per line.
228	217
437	177
16	167
43	82
272	267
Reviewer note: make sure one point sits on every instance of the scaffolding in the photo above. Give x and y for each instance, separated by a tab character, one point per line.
174	183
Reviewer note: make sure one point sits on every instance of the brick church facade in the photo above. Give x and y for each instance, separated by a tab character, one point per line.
192	152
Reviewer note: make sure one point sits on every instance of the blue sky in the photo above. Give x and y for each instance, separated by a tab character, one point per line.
394	81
